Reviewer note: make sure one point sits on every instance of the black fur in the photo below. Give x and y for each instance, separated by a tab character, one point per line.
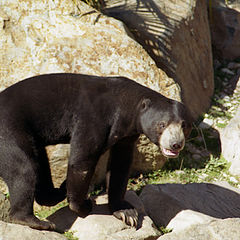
91	113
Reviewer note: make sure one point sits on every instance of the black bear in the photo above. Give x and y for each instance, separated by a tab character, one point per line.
91	113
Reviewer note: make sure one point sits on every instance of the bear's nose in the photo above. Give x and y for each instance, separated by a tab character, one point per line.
176	146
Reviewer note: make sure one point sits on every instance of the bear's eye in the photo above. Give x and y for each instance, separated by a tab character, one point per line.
146	104
161	125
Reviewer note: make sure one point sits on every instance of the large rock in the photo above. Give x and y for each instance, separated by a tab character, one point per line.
226	229
230	138
101	225
10	231
39	37
179	206
234	4
225	28
176	35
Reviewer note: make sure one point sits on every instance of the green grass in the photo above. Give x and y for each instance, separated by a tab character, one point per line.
44	212
216	169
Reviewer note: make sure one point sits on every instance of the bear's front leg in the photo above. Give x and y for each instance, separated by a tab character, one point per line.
81	168
77	188
120	162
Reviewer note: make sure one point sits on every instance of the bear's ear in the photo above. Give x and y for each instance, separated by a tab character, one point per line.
146	103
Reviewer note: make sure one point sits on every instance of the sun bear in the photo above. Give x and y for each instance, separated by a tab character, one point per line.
91	113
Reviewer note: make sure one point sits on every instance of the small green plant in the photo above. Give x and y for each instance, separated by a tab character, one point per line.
7	195
217	165
164	230
69	236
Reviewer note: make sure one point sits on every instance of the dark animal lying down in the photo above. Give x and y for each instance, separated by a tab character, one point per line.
91	113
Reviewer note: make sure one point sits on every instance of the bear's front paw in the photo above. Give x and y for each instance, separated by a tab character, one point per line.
81	209
128	216
125	212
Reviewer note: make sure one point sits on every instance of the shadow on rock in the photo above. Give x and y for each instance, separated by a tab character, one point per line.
206	201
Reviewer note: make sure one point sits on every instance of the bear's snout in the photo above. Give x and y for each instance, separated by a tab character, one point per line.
172	140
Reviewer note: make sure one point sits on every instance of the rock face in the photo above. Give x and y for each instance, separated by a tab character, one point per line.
39	37
176	35
230	138
15	232
225	28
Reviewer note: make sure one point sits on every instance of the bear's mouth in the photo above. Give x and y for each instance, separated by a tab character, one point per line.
170	153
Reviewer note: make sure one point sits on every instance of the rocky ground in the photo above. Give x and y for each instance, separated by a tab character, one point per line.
227	94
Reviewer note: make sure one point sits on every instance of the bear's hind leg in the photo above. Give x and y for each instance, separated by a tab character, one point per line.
45	193
21	176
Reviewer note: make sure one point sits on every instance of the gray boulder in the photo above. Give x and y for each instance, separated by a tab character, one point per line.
179	206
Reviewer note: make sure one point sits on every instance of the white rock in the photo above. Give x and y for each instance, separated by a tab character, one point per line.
230	138
187	218
206	123
233	179
218	229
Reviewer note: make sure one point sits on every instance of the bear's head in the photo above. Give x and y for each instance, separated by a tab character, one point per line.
167	123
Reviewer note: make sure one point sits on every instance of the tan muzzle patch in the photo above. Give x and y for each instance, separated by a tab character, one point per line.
172	140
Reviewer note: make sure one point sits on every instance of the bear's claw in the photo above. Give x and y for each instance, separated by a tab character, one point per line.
128	216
